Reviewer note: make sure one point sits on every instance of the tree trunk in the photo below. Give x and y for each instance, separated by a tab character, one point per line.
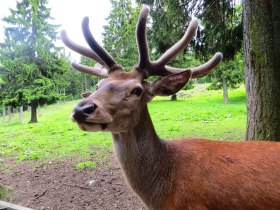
64	93
38	109
4	115
174	97
21	114
262	68
10	114
34	105
225	91
29	106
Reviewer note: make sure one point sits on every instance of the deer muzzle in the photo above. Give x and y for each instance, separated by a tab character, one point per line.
81	113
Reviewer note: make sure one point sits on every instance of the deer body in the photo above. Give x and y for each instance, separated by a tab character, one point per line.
198	173
179	174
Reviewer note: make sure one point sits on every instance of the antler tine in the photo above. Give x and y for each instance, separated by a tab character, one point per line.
198	71
80	49
141	38
180	45
100	51
205	68
158	67
90	70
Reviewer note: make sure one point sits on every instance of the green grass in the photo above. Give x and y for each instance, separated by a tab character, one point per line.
200	114
55	136
86	164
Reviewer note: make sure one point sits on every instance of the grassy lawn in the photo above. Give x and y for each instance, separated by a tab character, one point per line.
200	113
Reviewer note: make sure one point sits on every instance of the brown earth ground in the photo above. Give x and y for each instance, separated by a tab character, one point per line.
59	185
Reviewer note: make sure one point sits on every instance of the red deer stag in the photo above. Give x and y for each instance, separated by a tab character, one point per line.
179	174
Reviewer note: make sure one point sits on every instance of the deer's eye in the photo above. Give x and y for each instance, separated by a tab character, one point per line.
136	91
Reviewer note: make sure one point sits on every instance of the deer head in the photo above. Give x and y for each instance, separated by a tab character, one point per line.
119	98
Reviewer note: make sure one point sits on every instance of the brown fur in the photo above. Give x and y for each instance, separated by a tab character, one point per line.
225	175
186	173
192	174
199	174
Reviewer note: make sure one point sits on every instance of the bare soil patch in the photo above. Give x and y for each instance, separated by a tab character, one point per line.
59	185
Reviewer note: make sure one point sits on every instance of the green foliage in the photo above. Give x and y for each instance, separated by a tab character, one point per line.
228	30
119	34
189	85
1	79
89	81
185	60
33	69
76	86
86	164
232	71
220	30
167	27
220	19
199	113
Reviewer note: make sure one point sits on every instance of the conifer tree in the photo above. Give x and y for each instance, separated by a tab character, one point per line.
29	56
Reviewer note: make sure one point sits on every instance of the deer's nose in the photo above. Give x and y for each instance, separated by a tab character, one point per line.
82	112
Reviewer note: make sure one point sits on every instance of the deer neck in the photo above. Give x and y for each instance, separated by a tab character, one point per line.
143	157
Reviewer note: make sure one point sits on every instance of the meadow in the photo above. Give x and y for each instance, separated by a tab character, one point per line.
197	113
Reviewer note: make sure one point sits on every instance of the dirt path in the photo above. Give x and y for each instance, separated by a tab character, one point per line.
61	186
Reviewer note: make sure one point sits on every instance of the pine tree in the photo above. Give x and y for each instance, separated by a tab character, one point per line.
29	56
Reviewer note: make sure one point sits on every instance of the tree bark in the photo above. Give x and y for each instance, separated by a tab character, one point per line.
34	105
174	97
262	68
225	91
38	109
10	114
29	107
21	114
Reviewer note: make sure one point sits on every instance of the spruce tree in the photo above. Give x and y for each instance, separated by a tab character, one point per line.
29	56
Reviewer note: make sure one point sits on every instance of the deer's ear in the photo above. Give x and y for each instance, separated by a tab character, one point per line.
85	95
170	84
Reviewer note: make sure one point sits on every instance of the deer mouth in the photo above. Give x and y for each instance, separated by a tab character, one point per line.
92	127
83	124
102	125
